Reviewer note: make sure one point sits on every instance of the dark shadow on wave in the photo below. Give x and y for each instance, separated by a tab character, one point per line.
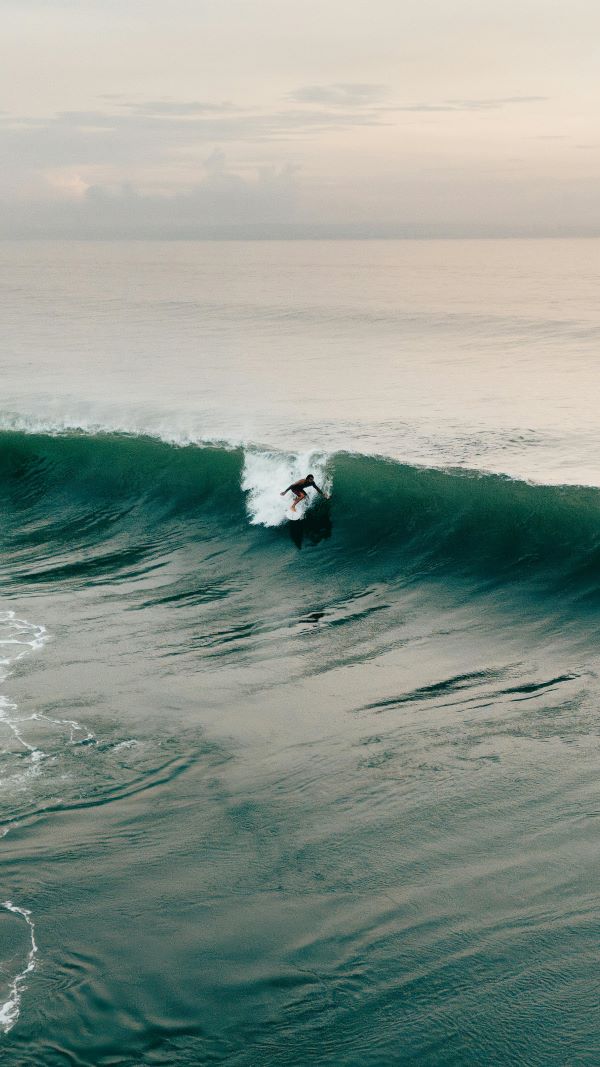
316	526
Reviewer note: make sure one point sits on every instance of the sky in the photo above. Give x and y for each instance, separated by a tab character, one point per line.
127	118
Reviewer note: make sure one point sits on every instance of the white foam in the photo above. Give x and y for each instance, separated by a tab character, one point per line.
9	1011
18	638
130	743
78	734
266	474
160	429
13	724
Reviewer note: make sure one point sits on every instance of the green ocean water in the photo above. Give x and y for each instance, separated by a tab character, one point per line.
313	792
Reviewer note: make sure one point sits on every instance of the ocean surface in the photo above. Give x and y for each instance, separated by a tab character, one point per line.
313	792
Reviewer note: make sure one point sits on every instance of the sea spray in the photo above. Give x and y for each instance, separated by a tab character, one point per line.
265	475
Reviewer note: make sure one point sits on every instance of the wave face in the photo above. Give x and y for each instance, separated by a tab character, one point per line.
78	506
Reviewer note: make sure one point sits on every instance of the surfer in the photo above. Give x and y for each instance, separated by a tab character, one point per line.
299	487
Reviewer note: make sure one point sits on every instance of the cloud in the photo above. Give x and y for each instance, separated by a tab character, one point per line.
369	95
158	167
219	199
493	103
154	144
125	136
476	104
177	108
339	94
138	134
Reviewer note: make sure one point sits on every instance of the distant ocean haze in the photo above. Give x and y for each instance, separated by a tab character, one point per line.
474	352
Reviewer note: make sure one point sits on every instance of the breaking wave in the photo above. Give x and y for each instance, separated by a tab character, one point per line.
88	506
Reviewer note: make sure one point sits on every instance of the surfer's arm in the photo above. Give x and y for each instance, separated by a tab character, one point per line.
287	490
319	491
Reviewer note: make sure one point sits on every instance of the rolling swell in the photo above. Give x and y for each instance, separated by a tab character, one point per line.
94	506
86	508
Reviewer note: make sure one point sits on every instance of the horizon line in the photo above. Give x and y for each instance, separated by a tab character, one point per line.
286	232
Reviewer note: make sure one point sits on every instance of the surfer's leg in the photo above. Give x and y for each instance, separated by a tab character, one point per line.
297	499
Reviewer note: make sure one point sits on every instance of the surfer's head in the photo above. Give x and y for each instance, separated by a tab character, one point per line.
310	478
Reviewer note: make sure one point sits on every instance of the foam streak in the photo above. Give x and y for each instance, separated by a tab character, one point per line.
9	1011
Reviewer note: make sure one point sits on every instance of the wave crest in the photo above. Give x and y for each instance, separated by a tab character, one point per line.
122	499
